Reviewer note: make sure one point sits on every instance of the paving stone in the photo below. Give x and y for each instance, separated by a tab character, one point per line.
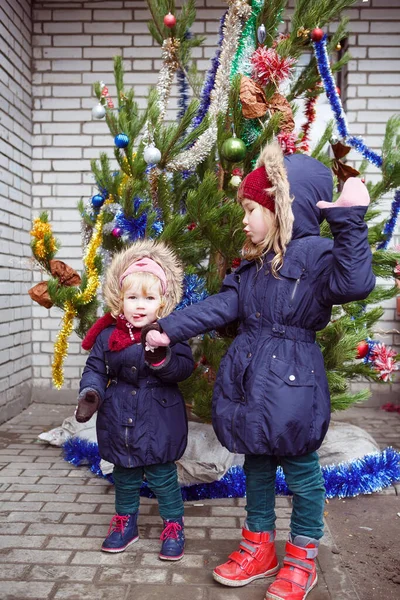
23	506
34	556
96	498
35	488
188	561
169	592
77	591
48	497
69	507
25	517
12	528
55	529
57	573
22	541
23	590
75	543
136	575
15	572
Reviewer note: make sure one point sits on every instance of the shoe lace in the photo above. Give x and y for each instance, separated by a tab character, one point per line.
171	530
118	523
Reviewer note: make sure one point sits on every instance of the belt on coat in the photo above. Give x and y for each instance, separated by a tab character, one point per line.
290	333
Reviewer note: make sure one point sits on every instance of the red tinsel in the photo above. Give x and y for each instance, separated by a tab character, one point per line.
104	92
268	66
310	114
383	360
287	142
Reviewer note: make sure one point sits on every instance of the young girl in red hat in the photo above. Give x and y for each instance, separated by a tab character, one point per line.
271	397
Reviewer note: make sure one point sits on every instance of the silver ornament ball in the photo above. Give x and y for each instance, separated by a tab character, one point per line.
152	155
261	34
98	111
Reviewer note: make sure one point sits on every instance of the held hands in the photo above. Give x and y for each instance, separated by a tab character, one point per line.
154	343
87	406
354	193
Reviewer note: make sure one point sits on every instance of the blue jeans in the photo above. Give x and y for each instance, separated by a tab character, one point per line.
162	480
303	477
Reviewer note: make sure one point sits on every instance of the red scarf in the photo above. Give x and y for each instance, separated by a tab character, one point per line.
122	336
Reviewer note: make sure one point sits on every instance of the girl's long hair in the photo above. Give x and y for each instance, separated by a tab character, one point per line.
280	234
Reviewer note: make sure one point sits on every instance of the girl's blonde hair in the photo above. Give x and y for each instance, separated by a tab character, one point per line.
280	233
160	253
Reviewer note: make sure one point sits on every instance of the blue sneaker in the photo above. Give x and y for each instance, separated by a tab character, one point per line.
173	539
123	532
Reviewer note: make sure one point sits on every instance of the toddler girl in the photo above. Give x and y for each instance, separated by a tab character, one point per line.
141	421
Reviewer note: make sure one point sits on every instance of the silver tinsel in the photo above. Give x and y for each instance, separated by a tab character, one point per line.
238	11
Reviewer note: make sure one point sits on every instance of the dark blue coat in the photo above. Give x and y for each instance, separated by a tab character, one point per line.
142	417
271	395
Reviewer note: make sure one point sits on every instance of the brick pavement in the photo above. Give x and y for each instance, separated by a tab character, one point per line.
53	518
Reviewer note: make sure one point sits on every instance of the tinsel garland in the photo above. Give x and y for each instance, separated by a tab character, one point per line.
169	66
209	80
310	114
328	80
194	290
84	297
247	43
188	159
134	228
183	86
371	473
391	222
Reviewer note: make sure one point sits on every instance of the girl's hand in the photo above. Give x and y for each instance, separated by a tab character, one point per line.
354	193
154	339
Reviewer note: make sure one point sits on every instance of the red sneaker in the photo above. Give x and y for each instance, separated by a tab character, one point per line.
255	558
298	576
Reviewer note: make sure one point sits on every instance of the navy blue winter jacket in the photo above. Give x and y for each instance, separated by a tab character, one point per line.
142	417
271	395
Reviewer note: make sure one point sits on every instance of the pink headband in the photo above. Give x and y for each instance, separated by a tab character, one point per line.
146	265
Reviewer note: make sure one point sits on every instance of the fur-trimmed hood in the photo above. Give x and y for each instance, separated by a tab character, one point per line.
161	254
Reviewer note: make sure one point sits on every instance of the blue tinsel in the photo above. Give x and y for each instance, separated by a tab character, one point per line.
194	290
365	475
183	87
391	222
328	80
209	82
135	227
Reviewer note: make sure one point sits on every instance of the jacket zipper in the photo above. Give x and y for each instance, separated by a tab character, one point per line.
127	446
296	285
233	428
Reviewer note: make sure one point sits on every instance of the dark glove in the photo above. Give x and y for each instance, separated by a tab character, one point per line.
159	354
87	406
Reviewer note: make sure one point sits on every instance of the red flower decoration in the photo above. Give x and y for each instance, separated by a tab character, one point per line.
269	66
238	172
236	263
383	361
191	226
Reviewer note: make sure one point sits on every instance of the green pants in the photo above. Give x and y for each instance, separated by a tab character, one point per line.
162	480
303	477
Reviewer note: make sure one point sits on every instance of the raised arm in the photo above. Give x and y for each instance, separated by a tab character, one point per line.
346	269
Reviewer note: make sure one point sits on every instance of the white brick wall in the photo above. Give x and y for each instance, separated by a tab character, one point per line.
72	48
15	206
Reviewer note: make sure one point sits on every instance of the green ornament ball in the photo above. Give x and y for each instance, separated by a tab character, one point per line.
234	149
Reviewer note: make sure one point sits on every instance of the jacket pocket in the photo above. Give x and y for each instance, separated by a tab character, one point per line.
165	400
292	374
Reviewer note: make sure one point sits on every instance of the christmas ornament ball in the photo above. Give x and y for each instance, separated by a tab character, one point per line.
169	21
121	140
235	181
317	34
116	232
98	111
152	155
362	349
261	34
97	201
233	149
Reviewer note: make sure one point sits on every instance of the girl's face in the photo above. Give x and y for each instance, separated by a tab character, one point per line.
141	303
257	220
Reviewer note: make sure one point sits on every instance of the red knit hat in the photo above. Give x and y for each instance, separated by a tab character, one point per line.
254	187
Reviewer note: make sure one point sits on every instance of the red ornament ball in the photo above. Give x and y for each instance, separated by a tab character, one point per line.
169	21
317	34
338	90
362	349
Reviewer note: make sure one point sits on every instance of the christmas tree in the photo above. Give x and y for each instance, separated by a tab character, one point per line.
177	182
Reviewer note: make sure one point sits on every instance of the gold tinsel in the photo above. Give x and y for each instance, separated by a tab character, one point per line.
61	344
40	248
86	296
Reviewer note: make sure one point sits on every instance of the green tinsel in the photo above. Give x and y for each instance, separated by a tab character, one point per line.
246	46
